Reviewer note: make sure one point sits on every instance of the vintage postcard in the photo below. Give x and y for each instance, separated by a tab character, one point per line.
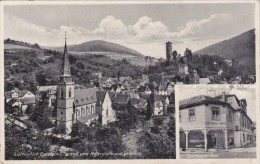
85	80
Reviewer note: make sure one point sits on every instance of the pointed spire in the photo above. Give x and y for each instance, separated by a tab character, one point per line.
65	64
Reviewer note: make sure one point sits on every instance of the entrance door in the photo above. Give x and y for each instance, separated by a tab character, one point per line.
211	141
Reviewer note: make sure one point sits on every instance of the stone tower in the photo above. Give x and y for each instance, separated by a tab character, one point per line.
65	94
168	50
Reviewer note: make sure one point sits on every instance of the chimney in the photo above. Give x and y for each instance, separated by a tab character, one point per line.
223	97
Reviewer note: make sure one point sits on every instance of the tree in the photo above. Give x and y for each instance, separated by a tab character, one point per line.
30	109
39	116
150	107
156	146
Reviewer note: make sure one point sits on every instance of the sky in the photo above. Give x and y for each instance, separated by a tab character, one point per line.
143	27
249	94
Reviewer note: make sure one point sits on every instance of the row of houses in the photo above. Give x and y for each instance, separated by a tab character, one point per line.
19	98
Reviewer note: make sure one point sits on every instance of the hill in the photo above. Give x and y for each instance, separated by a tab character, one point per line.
240	48
10	44
101	46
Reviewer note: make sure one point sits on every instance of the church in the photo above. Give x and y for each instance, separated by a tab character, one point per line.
89	106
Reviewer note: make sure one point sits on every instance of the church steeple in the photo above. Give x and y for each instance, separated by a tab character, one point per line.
65	71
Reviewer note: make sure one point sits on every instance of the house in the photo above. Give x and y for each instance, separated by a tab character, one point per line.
162	89
161	103
229	62
183	69
104	108
50	91
21	99
139	104
214	122
18	94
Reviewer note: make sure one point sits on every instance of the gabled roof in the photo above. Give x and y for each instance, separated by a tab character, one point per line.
20	93
28	101
143	96
100	96
135	101
12	101
134	95
123	79
121	98
168	78
85	96
112	96
46	88
231	95
197	100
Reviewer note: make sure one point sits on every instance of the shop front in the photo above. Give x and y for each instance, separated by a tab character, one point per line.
213	139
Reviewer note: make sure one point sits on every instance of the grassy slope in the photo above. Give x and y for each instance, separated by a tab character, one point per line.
241	47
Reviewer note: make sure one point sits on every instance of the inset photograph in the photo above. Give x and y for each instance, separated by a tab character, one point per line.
219	122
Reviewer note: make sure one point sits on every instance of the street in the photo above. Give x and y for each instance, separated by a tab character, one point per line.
248	152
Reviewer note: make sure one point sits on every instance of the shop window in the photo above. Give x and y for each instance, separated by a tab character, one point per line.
215	113
192	115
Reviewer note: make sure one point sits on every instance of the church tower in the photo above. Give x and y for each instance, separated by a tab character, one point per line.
65	94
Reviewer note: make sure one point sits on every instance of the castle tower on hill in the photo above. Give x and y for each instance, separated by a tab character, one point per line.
168	50
65	94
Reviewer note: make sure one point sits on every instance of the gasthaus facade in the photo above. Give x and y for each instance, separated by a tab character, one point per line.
214	123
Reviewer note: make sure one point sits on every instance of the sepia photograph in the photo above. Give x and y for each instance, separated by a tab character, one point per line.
97	80
217	122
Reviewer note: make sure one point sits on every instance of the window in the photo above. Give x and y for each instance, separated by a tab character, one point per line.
230	117
69	92
192	115
230	101
61	93
244	137
92	109
107	111
82	111
78	113
215	113
243	124
61	113
88	110
180	117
